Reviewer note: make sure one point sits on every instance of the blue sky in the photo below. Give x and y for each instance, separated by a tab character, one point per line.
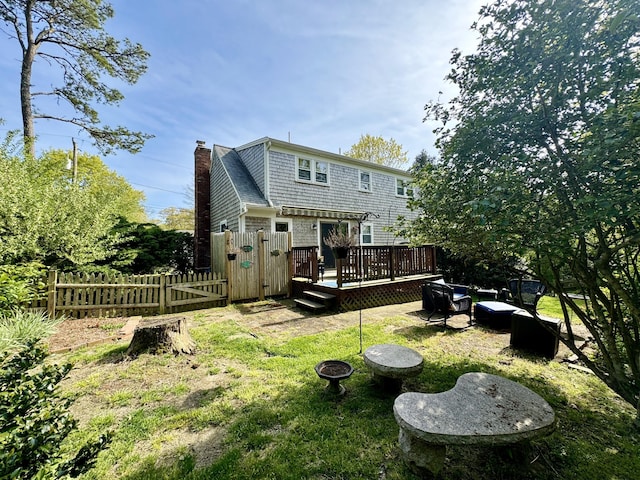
321	73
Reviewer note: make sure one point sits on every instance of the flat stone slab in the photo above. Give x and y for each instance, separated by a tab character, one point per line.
393	361
482	409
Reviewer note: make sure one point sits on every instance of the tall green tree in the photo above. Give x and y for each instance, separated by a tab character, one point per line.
54	224
378	150
70	35
147	248
422	160
174	218
48	219
541	158
107	186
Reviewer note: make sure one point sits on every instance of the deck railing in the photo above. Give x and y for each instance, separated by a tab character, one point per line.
369	263
305	263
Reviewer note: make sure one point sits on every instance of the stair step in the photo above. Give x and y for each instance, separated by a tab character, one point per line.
309	304
325	297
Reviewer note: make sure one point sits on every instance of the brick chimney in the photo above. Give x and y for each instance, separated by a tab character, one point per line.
202	233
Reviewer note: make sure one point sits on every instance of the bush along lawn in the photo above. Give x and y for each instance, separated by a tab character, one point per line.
250	406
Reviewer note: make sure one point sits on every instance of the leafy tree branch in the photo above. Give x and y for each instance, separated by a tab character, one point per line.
70	35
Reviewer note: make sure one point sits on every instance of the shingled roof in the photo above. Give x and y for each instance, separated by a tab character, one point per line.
240	177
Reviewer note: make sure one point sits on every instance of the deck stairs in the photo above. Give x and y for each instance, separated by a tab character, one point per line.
316	301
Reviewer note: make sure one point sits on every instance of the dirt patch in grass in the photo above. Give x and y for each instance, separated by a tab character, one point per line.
75	332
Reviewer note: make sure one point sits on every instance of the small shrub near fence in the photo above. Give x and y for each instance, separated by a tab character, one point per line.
97	295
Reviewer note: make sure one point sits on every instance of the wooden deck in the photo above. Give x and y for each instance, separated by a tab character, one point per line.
375	293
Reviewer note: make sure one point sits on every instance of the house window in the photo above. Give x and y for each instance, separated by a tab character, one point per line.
304	169
313	171
322	172
366	235
223	226
281	225
402	188
365	181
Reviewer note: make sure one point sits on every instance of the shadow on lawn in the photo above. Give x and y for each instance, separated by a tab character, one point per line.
302	432
305	433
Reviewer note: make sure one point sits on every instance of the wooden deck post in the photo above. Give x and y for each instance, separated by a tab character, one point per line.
314	264
434	266
290	265
392	260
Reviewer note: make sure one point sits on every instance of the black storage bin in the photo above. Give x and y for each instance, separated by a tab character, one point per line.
529	334
494	314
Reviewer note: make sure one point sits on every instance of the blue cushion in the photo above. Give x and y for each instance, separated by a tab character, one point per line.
496	307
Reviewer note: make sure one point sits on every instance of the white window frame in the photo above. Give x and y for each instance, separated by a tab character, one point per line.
362	188
223	223
406	187
313	170
288	221
368	226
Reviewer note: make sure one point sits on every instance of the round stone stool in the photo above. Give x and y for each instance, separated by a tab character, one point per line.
391	364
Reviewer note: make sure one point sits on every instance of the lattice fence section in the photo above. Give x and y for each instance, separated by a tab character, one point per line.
376	295
391	293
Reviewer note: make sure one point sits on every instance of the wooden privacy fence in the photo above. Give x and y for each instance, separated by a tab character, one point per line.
96	295
256	264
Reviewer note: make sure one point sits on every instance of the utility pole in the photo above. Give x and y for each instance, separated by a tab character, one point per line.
75	161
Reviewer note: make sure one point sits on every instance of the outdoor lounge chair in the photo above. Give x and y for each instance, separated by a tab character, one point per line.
525	293
446	299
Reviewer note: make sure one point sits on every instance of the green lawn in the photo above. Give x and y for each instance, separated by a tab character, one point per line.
250	406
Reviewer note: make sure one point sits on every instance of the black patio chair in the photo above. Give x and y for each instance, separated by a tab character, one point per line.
525	294
443	298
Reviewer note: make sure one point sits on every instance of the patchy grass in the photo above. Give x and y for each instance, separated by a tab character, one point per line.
250	406
550	306
112	327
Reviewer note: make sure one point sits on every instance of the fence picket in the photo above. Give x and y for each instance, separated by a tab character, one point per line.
78	295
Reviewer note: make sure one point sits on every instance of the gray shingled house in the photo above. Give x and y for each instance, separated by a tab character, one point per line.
278	186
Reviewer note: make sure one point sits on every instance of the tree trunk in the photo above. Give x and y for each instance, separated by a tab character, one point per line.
168	335
28	57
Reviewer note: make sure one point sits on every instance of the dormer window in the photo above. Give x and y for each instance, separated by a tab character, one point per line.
313	171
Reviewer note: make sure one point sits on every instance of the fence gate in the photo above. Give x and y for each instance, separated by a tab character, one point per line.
192	289
255	264
96	295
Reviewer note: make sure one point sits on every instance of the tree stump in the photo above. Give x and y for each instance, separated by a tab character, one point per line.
168	335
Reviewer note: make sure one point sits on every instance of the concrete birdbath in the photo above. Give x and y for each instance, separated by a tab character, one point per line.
334	371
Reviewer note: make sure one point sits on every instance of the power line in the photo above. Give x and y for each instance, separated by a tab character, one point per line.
84	141
157	188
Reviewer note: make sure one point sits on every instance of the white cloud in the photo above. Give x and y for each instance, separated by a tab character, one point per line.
229	72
